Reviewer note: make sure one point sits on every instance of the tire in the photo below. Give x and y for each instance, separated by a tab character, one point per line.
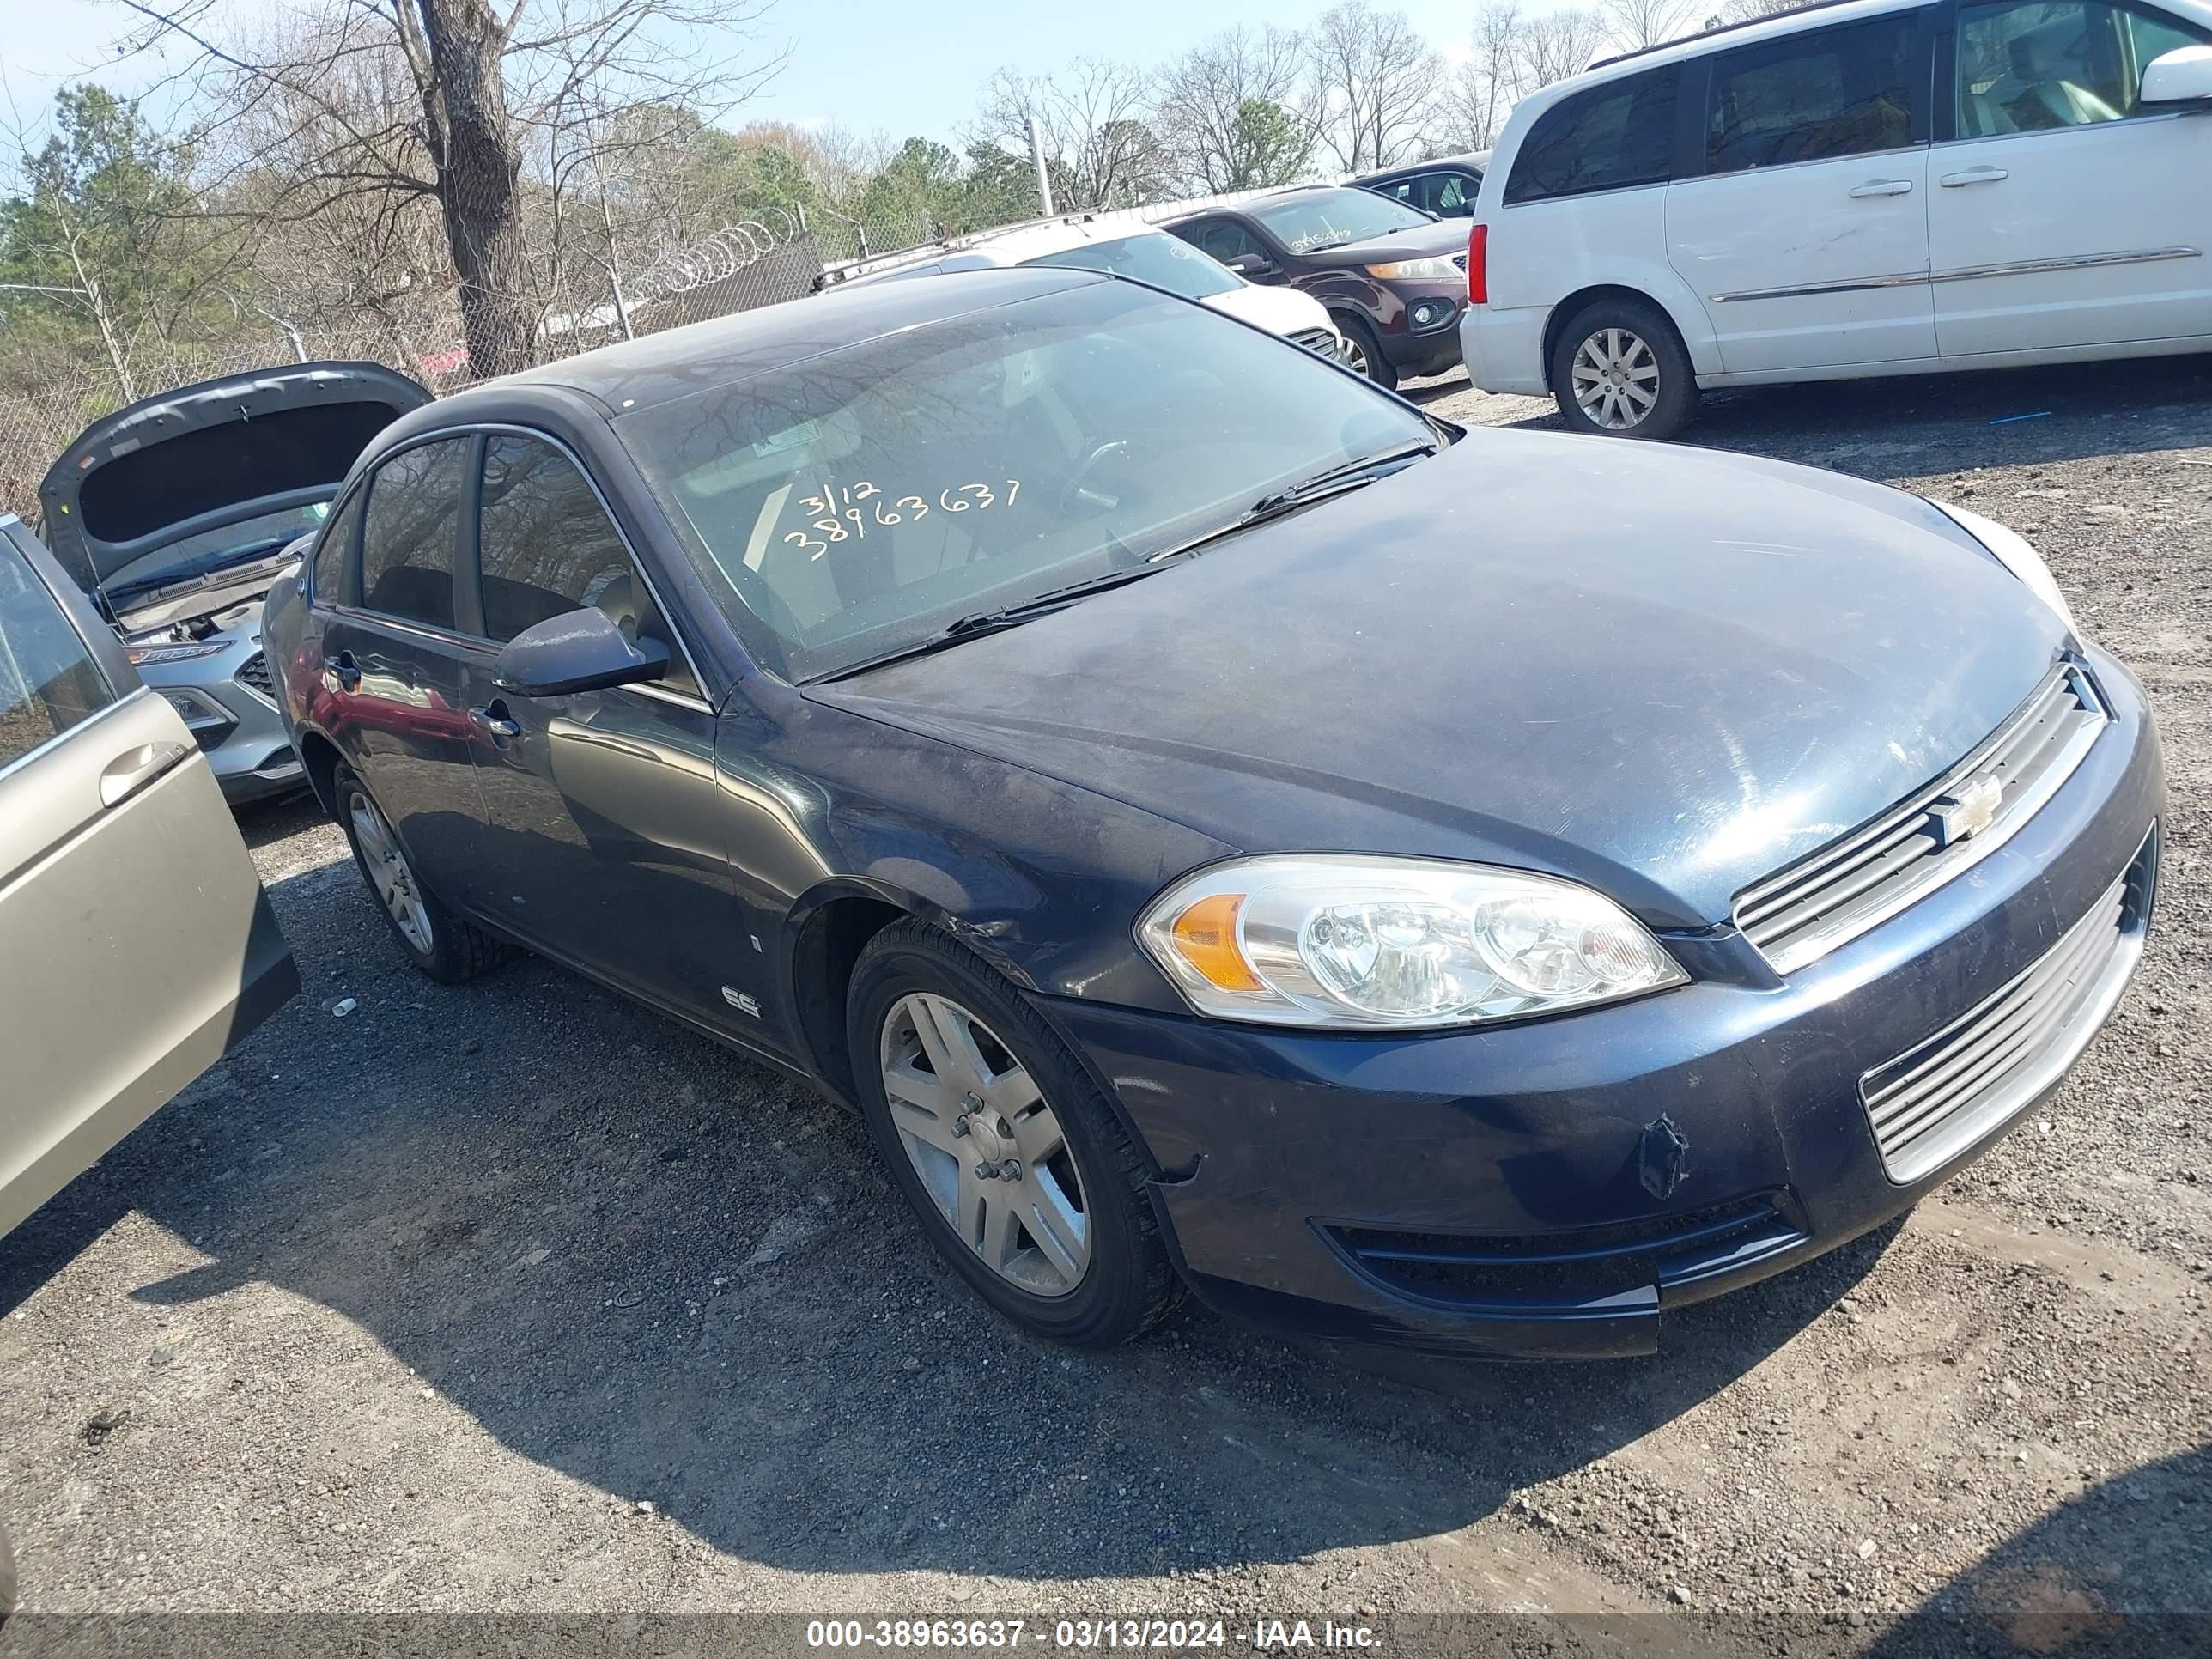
1634	340
1081	1197
1364	349
438	942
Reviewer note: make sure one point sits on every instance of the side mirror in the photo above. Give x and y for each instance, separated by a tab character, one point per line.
1253	264
2183	75
578	651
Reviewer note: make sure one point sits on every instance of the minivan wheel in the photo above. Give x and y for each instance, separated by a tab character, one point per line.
1020	1172
438	942
1619	368
1362	351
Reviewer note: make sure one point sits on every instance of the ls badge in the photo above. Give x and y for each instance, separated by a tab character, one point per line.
1969	811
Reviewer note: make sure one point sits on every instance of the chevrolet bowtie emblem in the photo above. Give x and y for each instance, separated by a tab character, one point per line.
1967	810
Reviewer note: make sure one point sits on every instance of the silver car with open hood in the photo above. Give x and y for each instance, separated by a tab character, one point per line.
177	514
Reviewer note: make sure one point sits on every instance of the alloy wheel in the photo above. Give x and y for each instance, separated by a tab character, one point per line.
1355	354
390	873
986	1143
1616	379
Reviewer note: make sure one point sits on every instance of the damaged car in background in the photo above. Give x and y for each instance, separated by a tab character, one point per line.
176	515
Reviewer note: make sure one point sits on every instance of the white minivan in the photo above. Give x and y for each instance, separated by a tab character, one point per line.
1856	188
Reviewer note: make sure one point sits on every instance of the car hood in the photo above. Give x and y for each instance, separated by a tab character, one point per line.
1663	672
1279	310
1445	237
138	481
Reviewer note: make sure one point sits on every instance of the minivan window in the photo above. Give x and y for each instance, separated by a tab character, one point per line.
2057	64
48	681
1610	137
407	547
1810	97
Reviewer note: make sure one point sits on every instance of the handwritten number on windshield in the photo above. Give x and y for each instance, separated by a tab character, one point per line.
835	507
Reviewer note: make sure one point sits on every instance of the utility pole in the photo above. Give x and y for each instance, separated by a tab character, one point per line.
1036	155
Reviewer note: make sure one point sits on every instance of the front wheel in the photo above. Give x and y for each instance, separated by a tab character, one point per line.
1362	350
1021	1174
437	941
1619	369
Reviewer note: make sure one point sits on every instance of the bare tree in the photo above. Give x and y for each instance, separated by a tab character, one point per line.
489	115
1636	24
1093	119
1482	89
1225	111
1371	81
1555	44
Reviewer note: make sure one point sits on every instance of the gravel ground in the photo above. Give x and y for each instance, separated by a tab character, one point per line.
516	1297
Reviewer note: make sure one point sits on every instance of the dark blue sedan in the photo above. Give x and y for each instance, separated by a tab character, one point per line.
1224	828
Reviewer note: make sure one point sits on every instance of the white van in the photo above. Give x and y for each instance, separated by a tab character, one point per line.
1785	200
1127	247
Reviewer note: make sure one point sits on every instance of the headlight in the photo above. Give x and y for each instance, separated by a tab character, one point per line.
1420	270
2012	550
1351	941
144	655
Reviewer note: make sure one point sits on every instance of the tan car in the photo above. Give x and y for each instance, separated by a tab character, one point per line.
136	943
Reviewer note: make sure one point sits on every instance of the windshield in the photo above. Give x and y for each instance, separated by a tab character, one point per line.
211	550
1162	260
1316	219
865	500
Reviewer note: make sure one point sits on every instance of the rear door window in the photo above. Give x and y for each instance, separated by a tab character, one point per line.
49	681
407	545
1612	138
1813	97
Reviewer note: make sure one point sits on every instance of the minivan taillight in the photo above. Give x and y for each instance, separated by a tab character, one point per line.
1478	265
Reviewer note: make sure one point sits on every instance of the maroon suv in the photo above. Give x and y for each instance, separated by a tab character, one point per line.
1393	278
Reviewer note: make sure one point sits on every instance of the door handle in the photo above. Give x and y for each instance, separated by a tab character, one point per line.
1974	176
134	768
347	670
495	722
1883	187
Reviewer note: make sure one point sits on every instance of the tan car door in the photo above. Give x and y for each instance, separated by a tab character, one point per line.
136	943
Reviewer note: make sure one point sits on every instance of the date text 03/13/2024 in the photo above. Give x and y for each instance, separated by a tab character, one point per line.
1162	1635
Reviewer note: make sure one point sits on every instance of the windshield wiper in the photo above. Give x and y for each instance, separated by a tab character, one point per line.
196	573
964	628
1335	481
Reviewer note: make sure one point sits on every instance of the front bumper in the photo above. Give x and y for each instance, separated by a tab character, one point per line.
1550	1189
228	703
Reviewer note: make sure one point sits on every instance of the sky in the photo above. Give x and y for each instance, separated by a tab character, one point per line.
898	66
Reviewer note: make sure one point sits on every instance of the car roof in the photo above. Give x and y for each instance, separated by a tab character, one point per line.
1466	158
1010	246
676	362
1250	202
1815	13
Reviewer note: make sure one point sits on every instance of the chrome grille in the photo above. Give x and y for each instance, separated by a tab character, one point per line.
1861	879
1935	1101
253	674
1316	339
1459	259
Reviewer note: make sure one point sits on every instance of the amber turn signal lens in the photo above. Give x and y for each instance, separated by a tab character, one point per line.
1205	936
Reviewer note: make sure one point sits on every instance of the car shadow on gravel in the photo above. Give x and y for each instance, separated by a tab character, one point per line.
2116	1572
1912	426
660	1268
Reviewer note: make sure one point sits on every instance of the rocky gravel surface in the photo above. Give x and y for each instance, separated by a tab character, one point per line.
513	1297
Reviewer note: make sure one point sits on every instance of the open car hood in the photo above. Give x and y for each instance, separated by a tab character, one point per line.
138	481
